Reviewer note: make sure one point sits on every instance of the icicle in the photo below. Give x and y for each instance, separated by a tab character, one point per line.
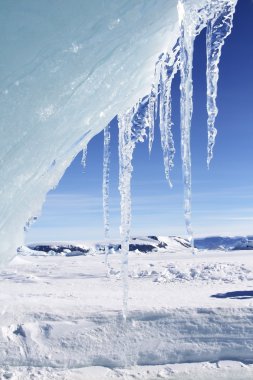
218	29
106	173
126	148
140	120
84	156
132	129
168	71
186	106
153	103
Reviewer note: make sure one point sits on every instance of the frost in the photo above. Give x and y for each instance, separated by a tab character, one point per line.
218	28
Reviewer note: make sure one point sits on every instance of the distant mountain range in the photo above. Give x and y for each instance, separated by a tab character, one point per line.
138	244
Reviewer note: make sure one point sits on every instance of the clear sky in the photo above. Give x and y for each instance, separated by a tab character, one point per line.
222	196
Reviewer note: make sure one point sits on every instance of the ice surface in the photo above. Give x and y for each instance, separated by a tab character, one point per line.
66	69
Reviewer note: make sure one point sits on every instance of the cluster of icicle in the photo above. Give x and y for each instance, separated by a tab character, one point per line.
217	17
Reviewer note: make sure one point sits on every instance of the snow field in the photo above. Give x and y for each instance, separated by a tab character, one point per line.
62	313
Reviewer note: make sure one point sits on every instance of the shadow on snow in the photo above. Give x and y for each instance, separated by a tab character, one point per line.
239	295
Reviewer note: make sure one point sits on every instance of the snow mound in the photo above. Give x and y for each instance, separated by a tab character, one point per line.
205	272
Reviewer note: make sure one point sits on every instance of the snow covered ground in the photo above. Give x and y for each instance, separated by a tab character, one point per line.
190	317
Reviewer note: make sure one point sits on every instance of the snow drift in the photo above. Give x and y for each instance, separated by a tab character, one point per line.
64	312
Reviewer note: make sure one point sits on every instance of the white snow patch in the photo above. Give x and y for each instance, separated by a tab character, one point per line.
64	312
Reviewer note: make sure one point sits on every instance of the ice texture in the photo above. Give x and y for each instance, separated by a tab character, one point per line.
106	189
218	28
66	69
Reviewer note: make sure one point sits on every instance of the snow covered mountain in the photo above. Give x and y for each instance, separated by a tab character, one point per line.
138	244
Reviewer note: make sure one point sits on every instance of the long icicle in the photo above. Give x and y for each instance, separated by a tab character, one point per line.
186	107
168	71
126	147
153	103
106	183
217	31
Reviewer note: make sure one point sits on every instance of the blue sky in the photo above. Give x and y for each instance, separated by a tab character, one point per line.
222	196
